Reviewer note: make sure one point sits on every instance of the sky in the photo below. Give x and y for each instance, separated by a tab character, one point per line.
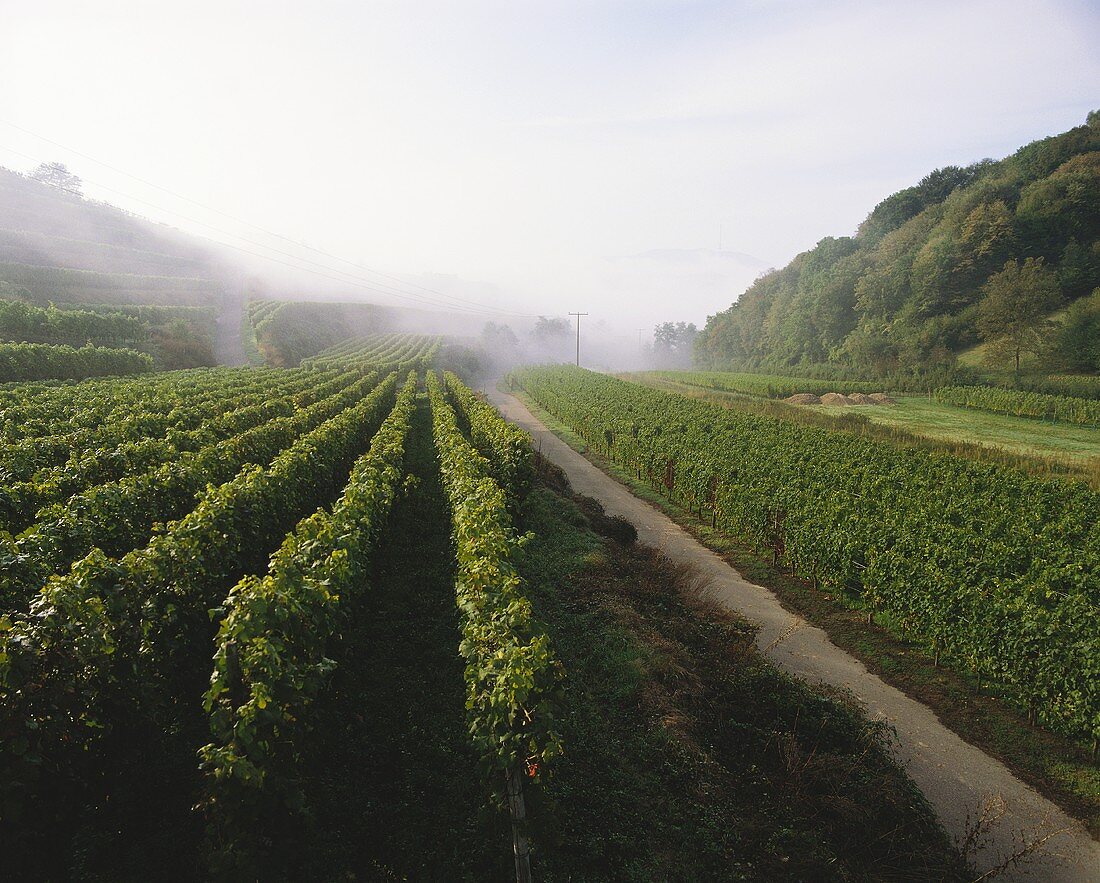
642	160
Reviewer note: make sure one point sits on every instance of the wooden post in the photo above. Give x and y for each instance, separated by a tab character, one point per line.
519	824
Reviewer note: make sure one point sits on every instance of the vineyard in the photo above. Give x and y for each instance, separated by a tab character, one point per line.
991	569
322	557
287	332
127	557
1082	411
41	361
44	343
1081	386
201	572
1040	446
772	386
20	321
413	350
45	285
1055	408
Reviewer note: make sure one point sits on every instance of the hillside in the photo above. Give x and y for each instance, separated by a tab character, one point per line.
76	272
285	332
57	246
79	273
903	294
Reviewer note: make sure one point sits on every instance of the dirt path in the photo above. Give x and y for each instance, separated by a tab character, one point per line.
957	778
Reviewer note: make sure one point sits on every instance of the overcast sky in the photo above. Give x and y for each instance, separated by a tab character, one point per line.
561	155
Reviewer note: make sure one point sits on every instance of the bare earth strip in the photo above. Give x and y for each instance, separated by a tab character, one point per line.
958	779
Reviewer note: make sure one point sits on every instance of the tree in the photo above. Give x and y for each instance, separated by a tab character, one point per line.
1013	311
933	188
1076	342
1063	204
870	344
987	240
500	344
57	175
495	335
673	343
547	330
933	278
1079	269
552	339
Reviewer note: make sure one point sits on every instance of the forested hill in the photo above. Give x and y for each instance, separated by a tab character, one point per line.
989	251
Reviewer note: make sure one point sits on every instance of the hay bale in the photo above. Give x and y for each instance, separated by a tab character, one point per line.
881	398
803	398
835	398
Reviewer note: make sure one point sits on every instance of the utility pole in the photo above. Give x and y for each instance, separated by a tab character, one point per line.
578	315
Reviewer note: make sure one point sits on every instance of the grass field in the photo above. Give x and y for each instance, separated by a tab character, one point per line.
1034	445
1022	435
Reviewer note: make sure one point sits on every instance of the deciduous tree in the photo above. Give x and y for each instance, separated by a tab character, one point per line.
56	174
1014	310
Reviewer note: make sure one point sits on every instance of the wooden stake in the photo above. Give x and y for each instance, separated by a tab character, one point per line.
519	824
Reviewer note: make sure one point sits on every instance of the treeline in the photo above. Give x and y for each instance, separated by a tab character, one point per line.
905	294
35	361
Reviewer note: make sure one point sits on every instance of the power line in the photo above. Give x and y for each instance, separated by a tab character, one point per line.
457	303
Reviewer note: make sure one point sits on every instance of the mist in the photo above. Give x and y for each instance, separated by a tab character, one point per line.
639	161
